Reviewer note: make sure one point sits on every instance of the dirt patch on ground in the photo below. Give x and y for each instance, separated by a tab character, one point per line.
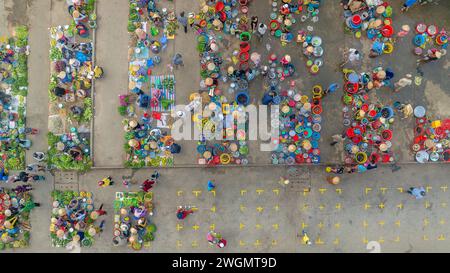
17	12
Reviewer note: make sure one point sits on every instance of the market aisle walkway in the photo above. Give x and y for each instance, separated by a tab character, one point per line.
111	53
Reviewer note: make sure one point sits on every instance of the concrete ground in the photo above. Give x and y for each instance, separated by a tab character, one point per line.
251	210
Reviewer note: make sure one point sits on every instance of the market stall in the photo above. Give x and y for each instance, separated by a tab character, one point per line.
74	219
133	225
13	92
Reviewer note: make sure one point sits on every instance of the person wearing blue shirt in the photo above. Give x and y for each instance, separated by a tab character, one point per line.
418	193
211	185
408	4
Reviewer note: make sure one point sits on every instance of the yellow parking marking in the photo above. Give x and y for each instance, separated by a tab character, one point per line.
397	223
194	209
257	243
428	188
400	190
444	204
442	222
194	243
397	239
259	209
306	191
400	206
213	209
367	190
195	227
258	226
426	222
197	193
337	225
381	223
212	227
339	191
425	238
365	225
304	225
276	191
259	191
320	225
365	241
242	243
179	227
321	206
338	206
336	241
319	241
275	226
241	226
179	244
441	237
243	192
381	205
213	192
381	240
322	190
427	204
242	207
274	242
366	206
148	244
383	190
444	188
179	193
276	208
305	206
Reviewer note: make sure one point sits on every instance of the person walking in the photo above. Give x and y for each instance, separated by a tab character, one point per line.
305	238
254	23
408	4
177	60
417	192
351	56
183	21
105	182
338	138
331	89
182	213
432	55
35	168
262	29
211	185
403	82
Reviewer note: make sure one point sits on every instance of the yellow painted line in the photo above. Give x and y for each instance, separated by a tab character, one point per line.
320	225
336	241
259	191
397	223
213	209
195	227
242	207
305	206
365	225
304	225
243	192
241	226
319	241
426	222
383	190
179	193
400	190
197	193
179	243
381	205
381	240
194	209
212	227
337	225
276	191
275	226
427	204
339	191
194	243
441	237
213	192
257	243
366	206
397	239
322	190
338	206
258	226
428	188
148	244
242	243
425	238
276	208
381	223
306	191
179	227
259	209
367	190
400	206
444	204
442	222
365	241
274	242
321	206
444	188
